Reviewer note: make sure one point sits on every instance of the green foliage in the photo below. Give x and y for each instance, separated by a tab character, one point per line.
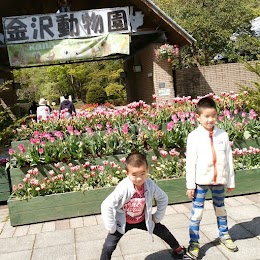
252	93
5	120
115	90
7	132
4	86
96	94
212	23
53	81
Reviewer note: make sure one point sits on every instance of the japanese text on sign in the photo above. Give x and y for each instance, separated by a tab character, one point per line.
80	24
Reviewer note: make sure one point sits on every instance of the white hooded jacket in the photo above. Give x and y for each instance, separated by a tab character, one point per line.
112	211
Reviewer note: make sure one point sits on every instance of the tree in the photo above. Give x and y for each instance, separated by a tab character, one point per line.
211	23
53	81
96	94
28	83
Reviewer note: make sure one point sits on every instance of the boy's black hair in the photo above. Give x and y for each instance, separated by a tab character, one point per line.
136	159
66	96
205	102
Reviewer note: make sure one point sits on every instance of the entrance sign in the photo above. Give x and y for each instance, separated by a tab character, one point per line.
50	52
81	24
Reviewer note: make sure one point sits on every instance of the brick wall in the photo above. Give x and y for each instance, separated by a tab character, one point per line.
163	81
212	79
139	85
142	85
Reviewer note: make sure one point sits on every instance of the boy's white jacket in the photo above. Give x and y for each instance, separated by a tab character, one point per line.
114	216
199	158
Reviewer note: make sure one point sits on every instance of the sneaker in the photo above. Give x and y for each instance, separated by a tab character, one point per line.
228	243
179	253
193	250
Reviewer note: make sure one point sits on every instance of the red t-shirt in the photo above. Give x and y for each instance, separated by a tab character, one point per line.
134	208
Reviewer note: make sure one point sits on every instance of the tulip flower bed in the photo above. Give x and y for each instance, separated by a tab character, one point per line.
61	191
137	126
86	153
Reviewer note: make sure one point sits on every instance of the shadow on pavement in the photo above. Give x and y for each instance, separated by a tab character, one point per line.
206	247
163	255
240	231
253	226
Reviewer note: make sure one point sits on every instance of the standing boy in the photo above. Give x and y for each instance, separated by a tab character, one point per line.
130	206
209	165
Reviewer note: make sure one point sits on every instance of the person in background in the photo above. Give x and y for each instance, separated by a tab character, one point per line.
43	111
33	110
48	105
67	109
129	206
209	166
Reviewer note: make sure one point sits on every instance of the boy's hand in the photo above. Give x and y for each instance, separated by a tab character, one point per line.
230	189
190	193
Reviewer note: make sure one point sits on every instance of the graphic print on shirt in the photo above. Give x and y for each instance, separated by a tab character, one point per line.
134	208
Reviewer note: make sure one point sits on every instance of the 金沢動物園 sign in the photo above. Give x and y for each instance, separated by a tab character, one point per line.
57	26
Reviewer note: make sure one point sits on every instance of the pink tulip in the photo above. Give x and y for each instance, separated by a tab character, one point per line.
35	172
173	152
33	141
154	158
86	164
21	148
70	128
155	127
52	173
40	150
244	114
163	153
11	151
56	165
86	176
123	159
170	126
93	167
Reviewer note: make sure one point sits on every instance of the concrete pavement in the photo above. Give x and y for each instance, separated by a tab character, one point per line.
82	238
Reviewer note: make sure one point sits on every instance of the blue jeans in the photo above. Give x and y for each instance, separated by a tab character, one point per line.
218	196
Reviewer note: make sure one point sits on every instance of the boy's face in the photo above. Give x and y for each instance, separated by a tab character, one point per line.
208	118
137	175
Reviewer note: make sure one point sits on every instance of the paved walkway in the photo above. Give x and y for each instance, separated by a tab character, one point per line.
82	238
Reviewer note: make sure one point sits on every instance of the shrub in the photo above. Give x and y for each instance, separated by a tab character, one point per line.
115	91
96	94
5	120
7	133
